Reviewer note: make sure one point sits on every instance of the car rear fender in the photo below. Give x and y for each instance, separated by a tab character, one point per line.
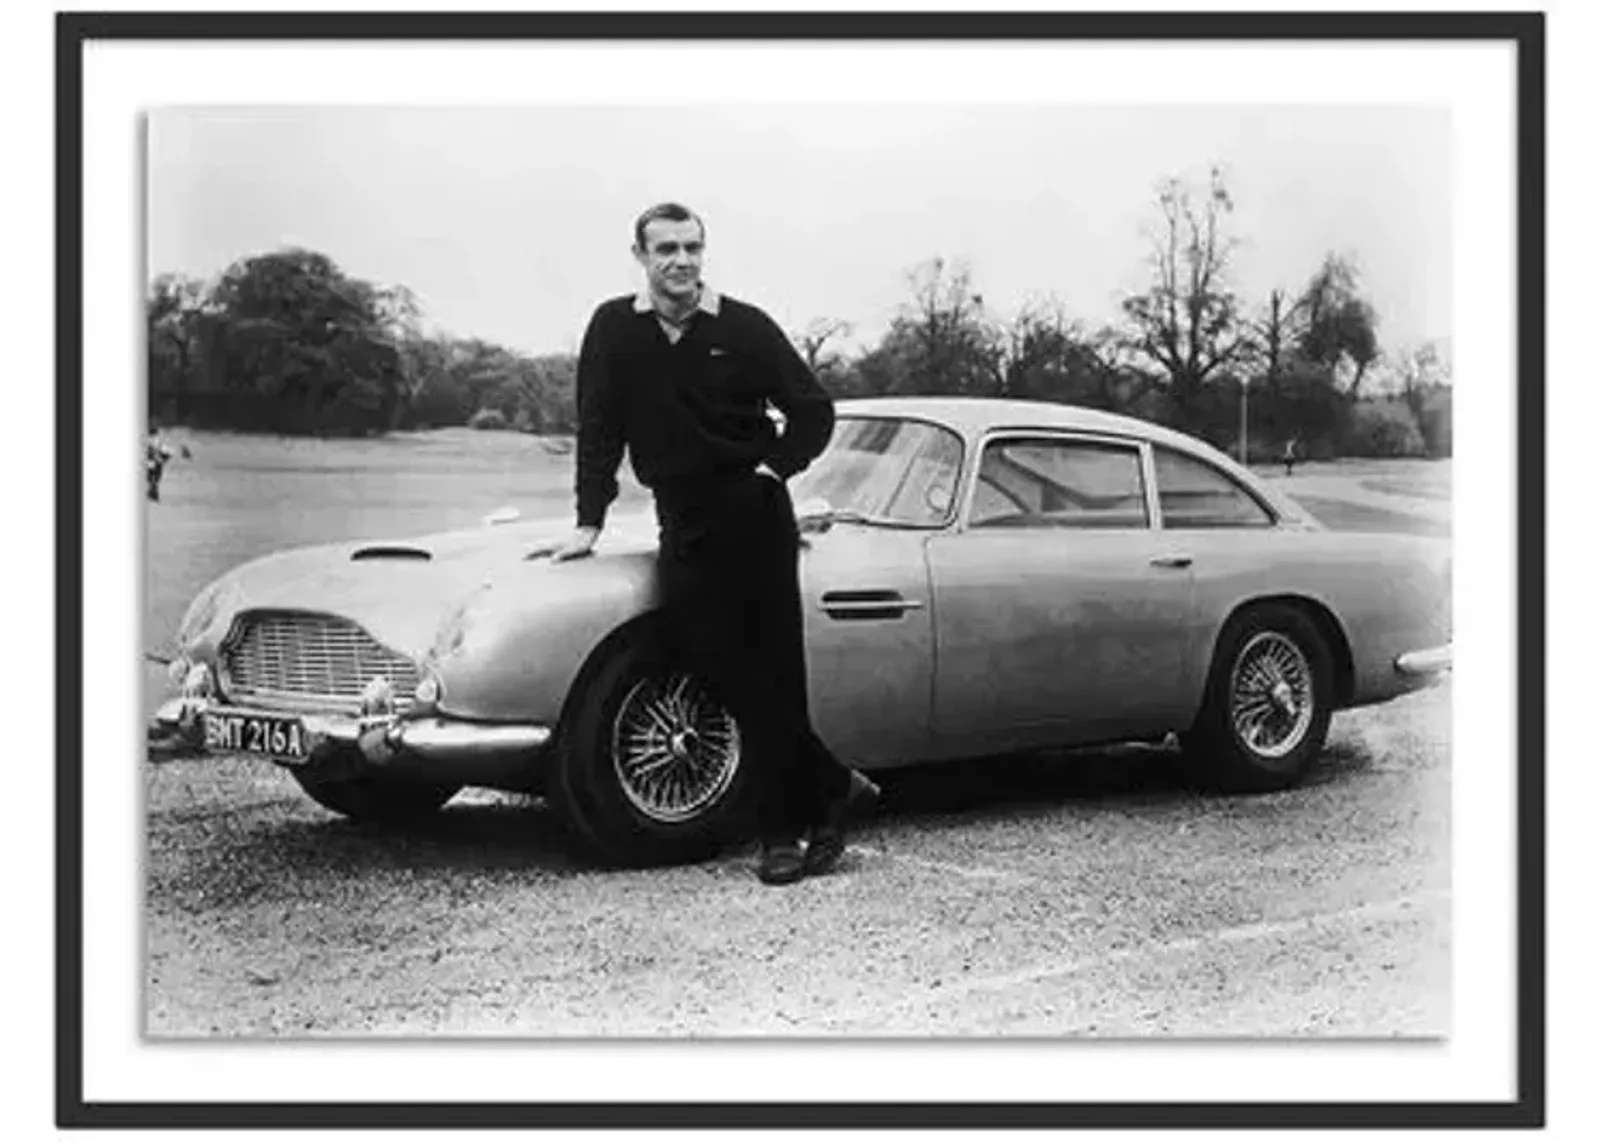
1374	596
1328	625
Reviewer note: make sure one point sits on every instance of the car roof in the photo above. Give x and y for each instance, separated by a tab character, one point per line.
974	415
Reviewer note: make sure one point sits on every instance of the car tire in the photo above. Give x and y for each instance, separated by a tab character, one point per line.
1268	702
619	781
384	799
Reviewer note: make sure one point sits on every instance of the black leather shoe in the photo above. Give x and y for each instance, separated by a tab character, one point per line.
782	863
825	844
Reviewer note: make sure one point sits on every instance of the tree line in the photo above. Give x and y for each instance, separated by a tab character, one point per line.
286	342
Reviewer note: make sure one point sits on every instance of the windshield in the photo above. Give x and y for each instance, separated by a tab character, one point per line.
886	469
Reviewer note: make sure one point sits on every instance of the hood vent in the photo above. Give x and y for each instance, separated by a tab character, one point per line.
391	552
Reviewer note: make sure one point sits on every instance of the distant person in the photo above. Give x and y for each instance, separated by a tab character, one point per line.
680	376
156	455
1290	455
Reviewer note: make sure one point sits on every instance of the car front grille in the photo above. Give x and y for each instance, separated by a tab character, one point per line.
307	658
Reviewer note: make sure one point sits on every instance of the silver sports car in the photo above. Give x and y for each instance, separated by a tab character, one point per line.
978	576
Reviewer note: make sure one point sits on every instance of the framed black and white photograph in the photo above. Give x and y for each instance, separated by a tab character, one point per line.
909	570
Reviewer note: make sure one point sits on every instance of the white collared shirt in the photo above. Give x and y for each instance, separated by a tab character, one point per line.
710	302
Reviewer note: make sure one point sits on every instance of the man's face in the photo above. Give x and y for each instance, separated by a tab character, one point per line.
671	257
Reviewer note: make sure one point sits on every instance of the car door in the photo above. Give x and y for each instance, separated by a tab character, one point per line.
1061	613
869	641
1233	538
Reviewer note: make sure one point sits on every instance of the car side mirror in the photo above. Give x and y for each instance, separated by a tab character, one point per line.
813	514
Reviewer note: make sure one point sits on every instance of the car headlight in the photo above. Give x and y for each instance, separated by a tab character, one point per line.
198	683
428	690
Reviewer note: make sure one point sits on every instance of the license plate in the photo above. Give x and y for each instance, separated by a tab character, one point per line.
284	739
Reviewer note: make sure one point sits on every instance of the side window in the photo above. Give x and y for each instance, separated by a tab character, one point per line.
1195	495
1059	484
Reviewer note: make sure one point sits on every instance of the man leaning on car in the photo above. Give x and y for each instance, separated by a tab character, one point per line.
681	377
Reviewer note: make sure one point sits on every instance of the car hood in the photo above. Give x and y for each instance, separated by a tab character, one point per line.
402	590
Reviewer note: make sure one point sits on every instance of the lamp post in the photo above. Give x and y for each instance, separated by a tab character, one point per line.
1244	421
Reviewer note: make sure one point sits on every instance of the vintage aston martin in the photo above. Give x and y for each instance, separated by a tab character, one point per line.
979	577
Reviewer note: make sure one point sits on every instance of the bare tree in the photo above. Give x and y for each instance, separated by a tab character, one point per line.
1050	356
813	340
955	349
1187	323
1276	333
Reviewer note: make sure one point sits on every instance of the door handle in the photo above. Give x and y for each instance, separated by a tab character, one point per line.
1171	561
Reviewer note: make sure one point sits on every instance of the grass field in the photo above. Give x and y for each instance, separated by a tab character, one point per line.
240	497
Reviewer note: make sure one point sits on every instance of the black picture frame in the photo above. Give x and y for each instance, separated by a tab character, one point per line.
1524	30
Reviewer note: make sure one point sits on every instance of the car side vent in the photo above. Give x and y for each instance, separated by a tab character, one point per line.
391	553
876	603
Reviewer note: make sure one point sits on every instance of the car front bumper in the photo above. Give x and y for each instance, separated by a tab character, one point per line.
434	744
1425	663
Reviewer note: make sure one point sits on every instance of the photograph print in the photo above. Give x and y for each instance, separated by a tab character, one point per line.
874	570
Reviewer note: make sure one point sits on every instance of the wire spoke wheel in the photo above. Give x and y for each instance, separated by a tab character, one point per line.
674	748
1271	699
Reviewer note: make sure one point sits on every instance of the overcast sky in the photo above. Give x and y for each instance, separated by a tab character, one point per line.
511	224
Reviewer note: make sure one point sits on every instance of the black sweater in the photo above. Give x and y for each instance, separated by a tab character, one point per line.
692	408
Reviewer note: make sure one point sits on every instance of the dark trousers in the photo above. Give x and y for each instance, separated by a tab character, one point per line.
730	587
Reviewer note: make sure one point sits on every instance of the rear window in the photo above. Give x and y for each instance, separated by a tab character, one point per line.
1193	494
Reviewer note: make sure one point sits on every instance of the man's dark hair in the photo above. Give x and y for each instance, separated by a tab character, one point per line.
669	212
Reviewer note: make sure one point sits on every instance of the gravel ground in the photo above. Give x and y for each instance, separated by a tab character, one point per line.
1084	894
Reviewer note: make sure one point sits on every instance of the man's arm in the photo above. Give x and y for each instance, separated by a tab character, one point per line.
805	404
600	441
